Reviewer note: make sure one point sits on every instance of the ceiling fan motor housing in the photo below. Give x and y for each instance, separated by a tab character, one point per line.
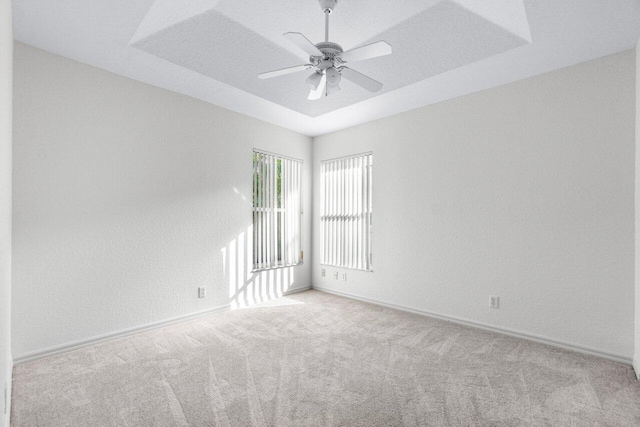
329	49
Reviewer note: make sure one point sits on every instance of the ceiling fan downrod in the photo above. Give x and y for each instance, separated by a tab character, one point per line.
326	26
327	7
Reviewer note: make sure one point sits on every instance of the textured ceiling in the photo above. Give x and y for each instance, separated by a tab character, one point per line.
214	49
428	38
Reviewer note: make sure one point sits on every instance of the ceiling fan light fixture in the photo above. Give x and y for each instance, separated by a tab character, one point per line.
333	77
314	80
332	89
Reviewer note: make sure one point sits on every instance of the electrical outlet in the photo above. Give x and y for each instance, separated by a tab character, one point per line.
335	275
202	292
344	277
494	301
323	272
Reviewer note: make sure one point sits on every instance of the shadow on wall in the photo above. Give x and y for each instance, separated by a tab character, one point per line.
247	287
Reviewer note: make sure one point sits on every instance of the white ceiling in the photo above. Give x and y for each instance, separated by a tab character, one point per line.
214	49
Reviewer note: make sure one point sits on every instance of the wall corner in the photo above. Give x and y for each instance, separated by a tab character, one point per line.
636	356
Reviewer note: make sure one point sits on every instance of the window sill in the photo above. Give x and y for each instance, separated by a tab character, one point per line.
280	267
364	270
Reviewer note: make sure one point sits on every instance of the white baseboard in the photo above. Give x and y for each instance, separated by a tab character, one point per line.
251	302
5	406
487	327
75	345
636	366
296	290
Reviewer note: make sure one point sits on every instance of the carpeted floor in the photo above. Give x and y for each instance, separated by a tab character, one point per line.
315	359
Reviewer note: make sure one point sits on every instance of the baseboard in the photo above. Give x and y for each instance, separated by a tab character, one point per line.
636	366
296	290
5	406
487	327
76	345
271	297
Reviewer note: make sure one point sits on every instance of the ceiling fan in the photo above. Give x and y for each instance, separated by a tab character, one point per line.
327	59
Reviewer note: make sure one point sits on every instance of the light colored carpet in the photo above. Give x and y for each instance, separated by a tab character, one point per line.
315	359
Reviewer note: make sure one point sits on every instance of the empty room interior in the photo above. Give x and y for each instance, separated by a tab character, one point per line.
319	213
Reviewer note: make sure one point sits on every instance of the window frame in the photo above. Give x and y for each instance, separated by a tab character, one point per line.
330	213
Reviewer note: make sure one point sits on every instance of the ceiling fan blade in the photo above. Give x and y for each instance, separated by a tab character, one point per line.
284	71
303	43
360	79
318	93
372	50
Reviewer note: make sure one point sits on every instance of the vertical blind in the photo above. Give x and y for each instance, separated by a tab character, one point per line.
346	202
276	211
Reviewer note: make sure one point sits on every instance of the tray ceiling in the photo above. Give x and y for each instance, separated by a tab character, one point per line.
229	43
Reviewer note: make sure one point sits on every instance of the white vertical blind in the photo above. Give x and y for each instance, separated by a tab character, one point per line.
346	211
276	211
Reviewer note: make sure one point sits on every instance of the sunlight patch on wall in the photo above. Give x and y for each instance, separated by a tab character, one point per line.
246	287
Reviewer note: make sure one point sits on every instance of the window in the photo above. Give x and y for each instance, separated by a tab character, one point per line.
276	211
346	202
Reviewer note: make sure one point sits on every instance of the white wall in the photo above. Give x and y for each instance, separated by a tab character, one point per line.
127	198
6	70
524	191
